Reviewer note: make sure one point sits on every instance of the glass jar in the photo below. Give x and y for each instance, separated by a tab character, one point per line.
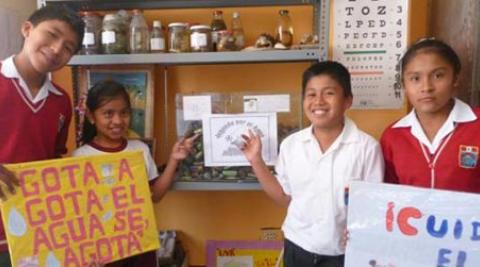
201	38
114	35
93	29
179	38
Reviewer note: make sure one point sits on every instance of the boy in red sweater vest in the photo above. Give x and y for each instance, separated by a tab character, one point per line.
34	112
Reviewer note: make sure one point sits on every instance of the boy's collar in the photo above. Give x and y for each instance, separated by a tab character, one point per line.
347	135
9	70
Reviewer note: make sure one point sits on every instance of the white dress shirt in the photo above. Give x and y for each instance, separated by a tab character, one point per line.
317	182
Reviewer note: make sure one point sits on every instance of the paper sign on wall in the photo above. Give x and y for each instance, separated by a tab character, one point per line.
222	137
414	227
266	103
70	211
195	106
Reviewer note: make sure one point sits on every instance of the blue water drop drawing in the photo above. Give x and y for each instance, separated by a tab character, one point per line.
107	216
16	223
51	260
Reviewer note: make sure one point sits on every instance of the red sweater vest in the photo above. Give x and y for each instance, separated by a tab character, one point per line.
26	135
457	167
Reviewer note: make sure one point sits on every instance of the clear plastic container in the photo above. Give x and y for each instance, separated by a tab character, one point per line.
200	38
284	32
138	33
179	37
114	35
91	42
157	38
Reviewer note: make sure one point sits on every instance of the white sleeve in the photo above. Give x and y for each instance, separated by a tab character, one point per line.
374	165
152	171
281	172
81	151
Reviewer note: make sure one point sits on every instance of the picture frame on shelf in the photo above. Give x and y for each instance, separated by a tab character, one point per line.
139	83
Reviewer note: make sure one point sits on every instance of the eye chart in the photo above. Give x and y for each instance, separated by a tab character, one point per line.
369	38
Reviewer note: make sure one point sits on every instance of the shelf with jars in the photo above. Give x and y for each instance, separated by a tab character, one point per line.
206	56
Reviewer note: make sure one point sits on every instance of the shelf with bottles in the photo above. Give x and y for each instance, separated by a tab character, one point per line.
319	51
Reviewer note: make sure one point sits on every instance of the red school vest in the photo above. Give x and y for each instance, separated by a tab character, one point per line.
457	166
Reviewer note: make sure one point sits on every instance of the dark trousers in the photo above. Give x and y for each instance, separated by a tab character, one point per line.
5	259
295	256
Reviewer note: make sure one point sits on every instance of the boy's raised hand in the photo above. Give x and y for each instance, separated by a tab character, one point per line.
182	147
9	179
252	147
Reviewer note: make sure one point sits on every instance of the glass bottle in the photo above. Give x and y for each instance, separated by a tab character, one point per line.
138	33
218	24
157	38
237	31
93	29
284	32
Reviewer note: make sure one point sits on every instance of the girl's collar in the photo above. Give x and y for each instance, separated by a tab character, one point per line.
120	148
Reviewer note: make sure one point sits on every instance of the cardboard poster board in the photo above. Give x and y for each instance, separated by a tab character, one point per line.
70	211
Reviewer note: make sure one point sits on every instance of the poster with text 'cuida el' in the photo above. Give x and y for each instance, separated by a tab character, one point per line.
70	211
405	226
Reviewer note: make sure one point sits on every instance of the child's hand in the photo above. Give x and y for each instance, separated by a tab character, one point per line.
182	147
9	179
345	238
252	147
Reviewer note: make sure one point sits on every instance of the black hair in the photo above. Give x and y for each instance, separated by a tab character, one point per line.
335	70
431	45
62	13
101	93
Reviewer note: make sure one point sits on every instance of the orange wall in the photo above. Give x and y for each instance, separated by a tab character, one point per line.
204	215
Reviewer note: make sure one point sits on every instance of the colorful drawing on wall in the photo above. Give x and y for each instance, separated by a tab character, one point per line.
139	85
70	211
261	253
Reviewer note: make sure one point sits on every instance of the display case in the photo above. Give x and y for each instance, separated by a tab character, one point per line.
287	109
243	179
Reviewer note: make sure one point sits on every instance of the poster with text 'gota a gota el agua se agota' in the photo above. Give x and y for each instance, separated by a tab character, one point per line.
70	211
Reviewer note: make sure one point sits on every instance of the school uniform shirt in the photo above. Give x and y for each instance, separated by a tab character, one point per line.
31	128
318	182
449	162
129	145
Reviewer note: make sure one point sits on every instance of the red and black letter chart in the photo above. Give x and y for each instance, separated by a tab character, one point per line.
369	38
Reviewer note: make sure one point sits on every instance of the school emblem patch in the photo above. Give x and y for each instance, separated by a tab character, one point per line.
468	156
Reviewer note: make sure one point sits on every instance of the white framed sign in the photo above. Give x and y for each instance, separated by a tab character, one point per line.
411	226
369	38
222	137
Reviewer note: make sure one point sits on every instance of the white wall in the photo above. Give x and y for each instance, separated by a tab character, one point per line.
12	14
